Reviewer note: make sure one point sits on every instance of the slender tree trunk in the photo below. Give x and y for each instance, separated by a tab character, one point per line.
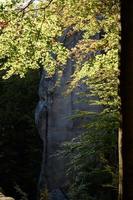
120	187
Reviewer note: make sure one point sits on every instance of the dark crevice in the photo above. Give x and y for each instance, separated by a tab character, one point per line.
46	137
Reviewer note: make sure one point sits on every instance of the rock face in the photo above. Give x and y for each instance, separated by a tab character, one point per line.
53	121
3	197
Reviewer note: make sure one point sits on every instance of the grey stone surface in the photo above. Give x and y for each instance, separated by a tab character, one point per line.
52	117
57	194
3	197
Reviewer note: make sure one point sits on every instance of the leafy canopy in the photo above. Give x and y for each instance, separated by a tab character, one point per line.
30	37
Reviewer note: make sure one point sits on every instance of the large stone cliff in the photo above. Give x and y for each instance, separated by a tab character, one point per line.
53	121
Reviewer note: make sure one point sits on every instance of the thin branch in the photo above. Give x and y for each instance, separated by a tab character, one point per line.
24	7
41	8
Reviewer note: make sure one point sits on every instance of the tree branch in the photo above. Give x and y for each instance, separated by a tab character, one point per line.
25	5
41	8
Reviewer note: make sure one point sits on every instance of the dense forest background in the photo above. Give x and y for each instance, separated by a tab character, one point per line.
31	39
20	145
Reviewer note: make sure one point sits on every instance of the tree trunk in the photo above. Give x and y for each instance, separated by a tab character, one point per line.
126	88
120	187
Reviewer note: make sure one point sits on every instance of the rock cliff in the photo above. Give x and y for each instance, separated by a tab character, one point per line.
3	197
53	121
